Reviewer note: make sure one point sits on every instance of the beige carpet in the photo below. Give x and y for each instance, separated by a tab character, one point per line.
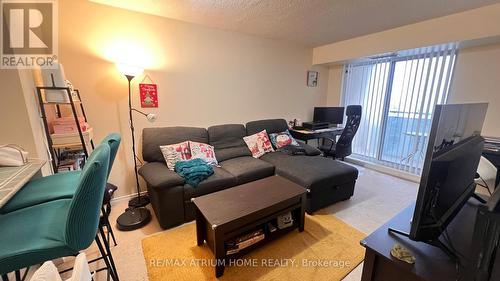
328	249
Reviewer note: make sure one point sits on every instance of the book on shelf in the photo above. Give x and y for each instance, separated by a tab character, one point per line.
71	161
244	241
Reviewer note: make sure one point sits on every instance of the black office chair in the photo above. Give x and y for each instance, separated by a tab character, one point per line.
342	147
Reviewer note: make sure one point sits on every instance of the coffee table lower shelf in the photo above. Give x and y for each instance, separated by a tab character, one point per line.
217	236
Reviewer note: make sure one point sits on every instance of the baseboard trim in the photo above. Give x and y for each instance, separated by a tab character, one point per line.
384	169
127	197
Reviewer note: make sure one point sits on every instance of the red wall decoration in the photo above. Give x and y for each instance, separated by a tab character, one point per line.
149	95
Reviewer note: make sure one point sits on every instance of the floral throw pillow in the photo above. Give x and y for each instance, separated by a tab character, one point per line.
203	151
175	152
283	139
259	144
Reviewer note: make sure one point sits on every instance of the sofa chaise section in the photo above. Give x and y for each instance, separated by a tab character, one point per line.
326	180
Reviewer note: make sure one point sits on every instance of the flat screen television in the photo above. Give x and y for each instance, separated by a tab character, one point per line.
332	115
447	181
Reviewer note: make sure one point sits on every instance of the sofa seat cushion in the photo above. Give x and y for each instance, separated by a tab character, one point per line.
153	138
223	154
247	169
220	180
270	125
312	172
228	141
310	150
157	175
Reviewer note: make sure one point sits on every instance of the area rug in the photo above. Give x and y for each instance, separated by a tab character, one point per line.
328	249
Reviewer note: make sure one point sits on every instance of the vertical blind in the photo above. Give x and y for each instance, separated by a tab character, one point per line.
398	94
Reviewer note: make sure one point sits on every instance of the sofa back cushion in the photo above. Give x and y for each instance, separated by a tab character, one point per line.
152	138
228	141
270	125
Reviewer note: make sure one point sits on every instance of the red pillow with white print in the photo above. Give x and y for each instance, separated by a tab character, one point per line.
259	144
175	152
203	151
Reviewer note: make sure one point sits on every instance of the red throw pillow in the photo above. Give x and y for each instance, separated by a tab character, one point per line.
259	144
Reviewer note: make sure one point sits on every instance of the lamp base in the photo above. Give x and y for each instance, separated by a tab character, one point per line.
133	218
139	201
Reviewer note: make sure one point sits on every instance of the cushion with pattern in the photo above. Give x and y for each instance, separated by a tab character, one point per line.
175	152
259	144
203	151
283	139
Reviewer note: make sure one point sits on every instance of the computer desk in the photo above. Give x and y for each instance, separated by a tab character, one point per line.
306	135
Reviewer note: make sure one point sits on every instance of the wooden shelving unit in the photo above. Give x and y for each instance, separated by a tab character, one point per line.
57	149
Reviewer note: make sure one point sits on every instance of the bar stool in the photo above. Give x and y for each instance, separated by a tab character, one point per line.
59	186
63	186
58	228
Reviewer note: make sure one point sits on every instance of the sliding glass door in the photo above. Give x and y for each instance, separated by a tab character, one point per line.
398	94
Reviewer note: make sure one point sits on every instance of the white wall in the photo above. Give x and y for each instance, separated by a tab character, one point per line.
477	79
15	125
335	76
205	76
465	26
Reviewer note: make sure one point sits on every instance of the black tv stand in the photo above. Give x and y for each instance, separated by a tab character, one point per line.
436	243
432	264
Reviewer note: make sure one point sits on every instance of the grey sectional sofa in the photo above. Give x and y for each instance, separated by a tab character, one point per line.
326	180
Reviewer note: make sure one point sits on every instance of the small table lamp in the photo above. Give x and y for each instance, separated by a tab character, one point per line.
136	216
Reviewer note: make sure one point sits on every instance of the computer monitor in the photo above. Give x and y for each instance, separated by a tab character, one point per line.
447	180
332	115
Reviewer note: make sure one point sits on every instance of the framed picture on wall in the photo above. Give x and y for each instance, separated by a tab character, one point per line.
149	95
312	78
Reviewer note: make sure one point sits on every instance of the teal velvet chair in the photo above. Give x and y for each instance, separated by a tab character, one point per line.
58	186
61	227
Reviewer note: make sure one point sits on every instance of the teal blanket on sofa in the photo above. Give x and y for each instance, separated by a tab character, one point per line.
193	171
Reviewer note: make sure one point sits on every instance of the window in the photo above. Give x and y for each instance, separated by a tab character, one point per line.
398	94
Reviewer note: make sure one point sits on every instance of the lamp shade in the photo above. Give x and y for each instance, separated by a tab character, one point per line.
129	70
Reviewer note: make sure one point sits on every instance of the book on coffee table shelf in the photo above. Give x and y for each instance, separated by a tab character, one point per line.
270	228
244	241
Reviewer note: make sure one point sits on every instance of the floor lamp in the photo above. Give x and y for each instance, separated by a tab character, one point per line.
136	215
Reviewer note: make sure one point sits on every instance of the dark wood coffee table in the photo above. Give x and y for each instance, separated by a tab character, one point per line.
227	214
